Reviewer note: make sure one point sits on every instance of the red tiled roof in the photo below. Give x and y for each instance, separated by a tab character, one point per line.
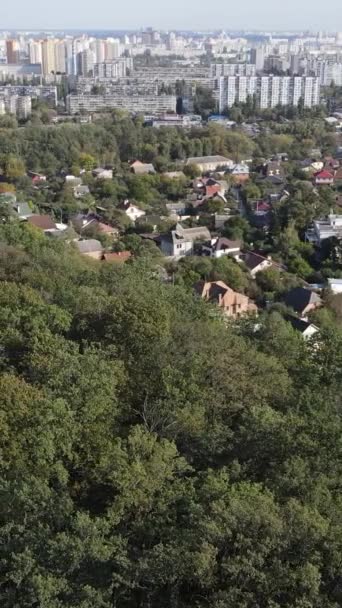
262	206
323	175
211	190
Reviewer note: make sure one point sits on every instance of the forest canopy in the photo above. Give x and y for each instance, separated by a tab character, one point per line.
153	455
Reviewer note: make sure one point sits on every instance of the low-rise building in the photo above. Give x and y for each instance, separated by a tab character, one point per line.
325	229
323	178
256	262
231	303
81	191
181	241
335	285
101	173
139	168
302	300
240	173
132	211
222	246
306	328
210	163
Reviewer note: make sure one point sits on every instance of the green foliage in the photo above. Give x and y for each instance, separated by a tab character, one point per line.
153	455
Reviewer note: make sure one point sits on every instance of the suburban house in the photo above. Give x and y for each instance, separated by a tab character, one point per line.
139	168
240	173
36	178
132	211
335	285
310	166
222	246
91	248
208	188
325	229
323	178
101	173
261	214
82	223
256	262
210	163
273	168
73	181
232	303
177	210
181	241
331	164
302	300
81	191
306	328
42	222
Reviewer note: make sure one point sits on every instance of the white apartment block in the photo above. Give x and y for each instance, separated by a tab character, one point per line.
114	69
269	91
329	71
19	105
154	104
232	69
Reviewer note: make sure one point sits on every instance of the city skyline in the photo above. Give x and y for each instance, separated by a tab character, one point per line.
179	16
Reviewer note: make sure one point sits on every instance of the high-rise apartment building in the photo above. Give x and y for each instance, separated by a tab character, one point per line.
112	49
113	69
269	91
12	51
100	51
329	71
258	58
60	57
85	63
35	52
48	56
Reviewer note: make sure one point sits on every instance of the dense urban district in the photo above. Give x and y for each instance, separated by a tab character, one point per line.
171	334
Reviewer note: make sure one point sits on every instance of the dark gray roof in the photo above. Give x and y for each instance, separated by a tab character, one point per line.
299	324
222	243
299	298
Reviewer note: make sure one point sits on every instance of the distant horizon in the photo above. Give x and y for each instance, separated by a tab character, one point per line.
194	30
306	15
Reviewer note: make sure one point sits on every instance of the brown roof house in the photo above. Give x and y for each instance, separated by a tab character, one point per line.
140	168
232	303
46	224
119	256
43	222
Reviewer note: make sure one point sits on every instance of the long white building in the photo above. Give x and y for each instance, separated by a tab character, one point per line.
153	104
269	91
231	69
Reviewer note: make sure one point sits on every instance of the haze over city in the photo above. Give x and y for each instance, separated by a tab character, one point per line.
262	15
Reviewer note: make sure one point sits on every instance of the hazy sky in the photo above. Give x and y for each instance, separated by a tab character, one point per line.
171	14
